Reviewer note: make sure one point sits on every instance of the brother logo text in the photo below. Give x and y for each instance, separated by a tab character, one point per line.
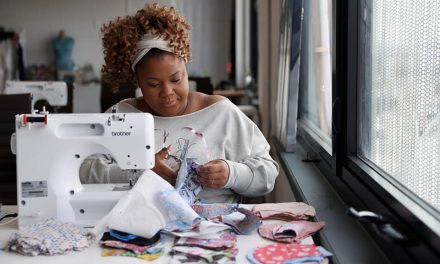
120	134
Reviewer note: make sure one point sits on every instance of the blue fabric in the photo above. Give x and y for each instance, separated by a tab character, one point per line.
63	53
122	235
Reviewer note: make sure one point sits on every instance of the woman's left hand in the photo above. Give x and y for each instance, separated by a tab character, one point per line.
214	174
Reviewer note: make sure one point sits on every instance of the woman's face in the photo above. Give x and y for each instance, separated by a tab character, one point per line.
164	84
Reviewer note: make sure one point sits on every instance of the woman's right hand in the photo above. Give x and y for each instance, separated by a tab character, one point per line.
161	167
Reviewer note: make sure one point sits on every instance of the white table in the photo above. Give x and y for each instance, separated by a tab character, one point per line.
92	255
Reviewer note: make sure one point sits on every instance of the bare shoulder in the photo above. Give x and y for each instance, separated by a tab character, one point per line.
205	100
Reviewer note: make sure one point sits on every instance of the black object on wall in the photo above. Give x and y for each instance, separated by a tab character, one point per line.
10	105
109	98
203	84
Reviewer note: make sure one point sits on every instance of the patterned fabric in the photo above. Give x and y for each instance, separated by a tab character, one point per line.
152	200
285	211
50	237
187	184
139	241
128	253
151	249
204	229
287	253
210	256
241	220
243	226
176	207
209	211
291	232
121	248
227	240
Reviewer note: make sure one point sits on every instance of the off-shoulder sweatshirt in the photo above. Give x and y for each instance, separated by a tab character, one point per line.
219	131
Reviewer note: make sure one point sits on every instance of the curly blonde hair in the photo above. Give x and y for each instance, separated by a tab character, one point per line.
121	35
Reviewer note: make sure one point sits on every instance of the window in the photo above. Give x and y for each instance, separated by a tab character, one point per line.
399	120
384	74
399	103
316	72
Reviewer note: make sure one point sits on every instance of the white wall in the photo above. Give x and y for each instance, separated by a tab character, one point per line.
41	20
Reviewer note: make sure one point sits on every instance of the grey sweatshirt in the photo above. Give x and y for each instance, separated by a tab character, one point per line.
219	131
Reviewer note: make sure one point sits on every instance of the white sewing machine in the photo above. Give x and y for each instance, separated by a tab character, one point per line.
55	93
50	149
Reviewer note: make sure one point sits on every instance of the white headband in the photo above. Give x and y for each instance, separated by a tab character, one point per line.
145	44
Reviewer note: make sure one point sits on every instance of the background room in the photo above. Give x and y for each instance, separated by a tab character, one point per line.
36	24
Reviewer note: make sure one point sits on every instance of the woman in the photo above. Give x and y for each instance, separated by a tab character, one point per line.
152	49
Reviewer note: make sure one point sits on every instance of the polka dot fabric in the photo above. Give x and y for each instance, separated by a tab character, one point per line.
280	253
50	237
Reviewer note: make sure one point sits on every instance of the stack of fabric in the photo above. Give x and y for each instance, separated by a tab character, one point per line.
222	249
50	237
196	250
295	226
123	244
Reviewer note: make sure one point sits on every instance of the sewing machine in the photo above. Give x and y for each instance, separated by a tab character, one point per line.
55	93
50	149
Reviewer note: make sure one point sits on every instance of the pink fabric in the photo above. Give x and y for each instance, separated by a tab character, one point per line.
227	240
285	211
291	232
280	253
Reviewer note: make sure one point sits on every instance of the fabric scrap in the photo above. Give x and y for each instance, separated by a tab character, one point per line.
227	239
210	256
284	211
139	241
287	253
160	205
291	232
245	226
50	237
210	211
127	253
187	183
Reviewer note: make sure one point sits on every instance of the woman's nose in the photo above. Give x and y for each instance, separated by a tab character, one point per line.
167	88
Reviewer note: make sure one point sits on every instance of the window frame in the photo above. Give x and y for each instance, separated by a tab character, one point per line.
344	169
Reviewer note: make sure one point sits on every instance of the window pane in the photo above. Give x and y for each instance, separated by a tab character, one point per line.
400	100
316	71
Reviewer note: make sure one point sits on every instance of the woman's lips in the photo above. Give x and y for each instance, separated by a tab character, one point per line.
169	103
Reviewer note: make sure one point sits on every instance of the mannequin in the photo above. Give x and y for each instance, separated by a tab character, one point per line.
63	46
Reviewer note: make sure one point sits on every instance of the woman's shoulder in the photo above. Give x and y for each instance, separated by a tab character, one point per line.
126	105
206	100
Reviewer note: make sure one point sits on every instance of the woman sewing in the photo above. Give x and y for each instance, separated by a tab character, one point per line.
152	49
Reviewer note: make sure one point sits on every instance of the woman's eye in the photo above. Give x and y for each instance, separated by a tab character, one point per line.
153	84
175	81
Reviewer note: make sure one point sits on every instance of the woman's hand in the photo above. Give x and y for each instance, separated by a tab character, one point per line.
162	169
214	174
